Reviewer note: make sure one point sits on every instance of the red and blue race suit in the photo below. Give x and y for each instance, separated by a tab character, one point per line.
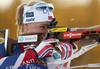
29	58
26	60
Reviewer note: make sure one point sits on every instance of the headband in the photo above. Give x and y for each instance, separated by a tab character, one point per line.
40	12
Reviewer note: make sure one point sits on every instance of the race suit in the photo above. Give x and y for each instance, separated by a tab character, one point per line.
27	60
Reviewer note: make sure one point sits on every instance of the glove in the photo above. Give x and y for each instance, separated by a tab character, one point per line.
66	50
45	47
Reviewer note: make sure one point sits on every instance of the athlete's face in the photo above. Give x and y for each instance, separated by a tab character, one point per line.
39	27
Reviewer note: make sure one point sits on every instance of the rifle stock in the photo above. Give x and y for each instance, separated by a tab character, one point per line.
12	42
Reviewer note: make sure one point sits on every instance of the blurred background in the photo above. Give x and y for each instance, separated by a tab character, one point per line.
70	13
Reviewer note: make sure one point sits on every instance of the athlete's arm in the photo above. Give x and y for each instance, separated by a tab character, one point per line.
29	56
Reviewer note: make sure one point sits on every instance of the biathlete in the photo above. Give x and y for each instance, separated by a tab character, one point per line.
32	18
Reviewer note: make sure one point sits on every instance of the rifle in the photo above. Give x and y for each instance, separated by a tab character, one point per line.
64	34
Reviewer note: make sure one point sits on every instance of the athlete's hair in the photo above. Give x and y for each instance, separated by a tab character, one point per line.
19	15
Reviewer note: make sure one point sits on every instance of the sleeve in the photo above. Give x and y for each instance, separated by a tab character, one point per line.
2	48
17	61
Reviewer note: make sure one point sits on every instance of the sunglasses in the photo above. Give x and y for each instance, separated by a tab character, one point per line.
43	6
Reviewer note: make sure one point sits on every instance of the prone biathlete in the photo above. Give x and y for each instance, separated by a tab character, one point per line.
32	18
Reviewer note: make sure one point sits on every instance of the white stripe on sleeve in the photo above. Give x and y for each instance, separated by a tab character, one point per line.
19	60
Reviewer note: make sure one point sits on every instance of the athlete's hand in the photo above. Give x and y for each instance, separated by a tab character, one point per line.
45	47
66	50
